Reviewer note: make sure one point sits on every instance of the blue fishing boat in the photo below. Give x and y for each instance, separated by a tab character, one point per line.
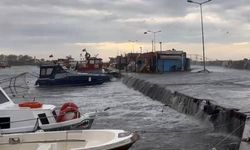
51	75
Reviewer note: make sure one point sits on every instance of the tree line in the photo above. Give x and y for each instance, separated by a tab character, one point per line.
20	59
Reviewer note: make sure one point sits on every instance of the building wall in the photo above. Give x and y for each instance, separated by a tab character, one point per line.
169	65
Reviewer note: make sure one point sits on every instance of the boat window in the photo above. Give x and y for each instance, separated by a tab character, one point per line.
5	123
92	62
43	118
49	71
46	71
43	72
3	98
54	114
59	69
97	61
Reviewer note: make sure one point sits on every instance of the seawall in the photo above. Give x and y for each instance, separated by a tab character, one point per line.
235	64
224	120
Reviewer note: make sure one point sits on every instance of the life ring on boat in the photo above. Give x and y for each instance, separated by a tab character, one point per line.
69	104
31	104
65	115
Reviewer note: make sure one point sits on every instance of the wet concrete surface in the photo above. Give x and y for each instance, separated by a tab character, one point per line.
226	87
229	88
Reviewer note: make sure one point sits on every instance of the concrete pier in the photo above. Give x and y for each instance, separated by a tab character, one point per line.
222	96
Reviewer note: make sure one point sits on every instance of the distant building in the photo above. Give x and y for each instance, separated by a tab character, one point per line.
172	60
154	62
146	62
131	59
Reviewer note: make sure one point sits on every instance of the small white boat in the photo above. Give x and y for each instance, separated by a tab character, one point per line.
31	116
69	140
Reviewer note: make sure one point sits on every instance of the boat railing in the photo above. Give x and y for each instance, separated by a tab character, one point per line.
25	120
18	83
17	140
36	126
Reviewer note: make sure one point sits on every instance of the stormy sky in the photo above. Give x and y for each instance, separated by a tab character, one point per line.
104	27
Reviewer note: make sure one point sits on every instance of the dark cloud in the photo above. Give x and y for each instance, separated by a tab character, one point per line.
28	23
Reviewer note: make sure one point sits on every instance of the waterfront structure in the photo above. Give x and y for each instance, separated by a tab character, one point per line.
146	62
155	62
202	30
131	61
172	60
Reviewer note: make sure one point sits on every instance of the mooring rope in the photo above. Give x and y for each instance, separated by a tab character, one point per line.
229	135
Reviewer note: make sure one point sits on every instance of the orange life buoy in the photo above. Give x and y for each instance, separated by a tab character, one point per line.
63	114
31	104
69	104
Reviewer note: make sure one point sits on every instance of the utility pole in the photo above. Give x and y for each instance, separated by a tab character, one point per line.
140	49
154	34
202	30
133	46
160	46
152	46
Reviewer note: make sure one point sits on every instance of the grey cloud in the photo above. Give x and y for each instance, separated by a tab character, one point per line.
37	22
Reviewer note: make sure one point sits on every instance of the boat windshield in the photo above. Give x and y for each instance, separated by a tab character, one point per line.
46	71
3	98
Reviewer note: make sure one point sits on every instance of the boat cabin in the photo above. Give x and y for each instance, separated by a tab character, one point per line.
31	116
91	65
14	118
56	75
49	71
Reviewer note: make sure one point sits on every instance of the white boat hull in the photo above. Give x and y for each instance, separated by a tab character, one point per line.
69	140
24	117
84	122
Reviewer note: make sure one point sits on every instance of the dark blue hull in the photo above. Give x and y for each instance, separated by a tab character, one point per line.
84	80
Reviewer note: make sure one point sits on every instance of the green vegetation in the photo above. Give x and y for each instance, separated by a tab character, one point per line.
16	60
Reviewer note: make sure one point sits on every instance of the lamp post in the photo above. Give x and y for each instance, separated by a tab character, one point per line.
160	46
202	29
140	49
133	42
133	48
153	32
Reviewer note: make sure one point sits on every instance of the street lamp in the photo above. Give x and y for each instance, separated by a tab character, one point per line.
140	49
202	29
160	46
153	32
133	42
